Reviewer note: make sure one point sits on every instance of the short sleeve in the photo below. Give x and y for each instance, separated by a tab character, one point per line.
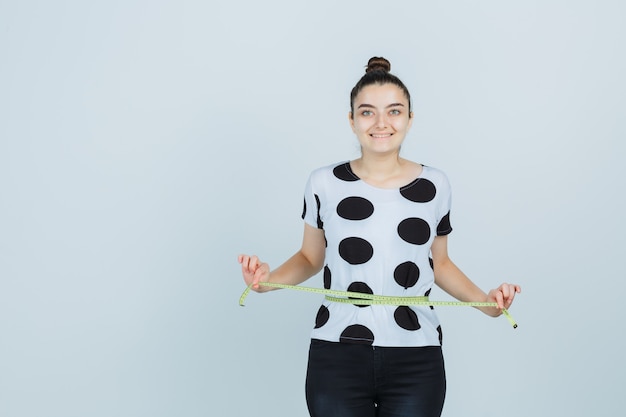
311	209
444	227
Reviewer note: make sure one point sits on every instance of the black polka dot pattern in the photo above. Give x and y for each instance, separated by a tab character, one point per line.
344	173
406	274
355	250
419	191
358	334
406	318
378	240
444	228
414	230
355	208
428	295
362	288
322	317
320	223
327	277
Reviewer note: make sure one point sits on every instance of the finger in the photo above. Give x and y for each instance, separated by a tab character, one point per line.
254	263
251	263
510	292
261	272
500	299
504	290
245	262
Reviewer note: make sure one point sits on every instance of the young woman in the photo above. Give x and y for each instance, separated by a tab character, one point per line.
377	225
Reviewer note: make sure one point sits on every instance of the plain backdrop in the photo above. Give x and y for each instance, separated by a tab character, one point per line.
145	144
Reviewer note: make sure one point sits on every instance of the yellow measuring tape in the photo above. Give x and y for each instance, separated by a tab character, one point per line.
350	297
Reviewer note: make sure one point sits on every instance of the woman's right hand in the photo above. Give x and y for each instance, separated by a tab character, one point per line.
254	271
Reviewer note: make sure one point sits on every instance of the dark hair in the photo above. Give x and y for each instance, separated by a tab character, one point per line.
377	72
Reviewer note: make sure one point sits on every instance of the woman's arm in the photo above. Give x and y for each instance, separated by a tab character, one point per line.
453	281
305	263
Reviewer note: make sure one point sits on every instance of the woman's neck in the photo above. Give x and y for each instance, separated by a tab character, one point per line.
385	171
379	166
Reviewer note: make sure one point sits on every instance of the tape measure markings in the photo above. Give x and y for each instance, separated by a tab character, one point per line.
350	297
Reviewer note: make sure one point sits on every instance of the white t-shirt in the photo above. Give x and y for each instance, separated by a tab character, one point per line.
378	241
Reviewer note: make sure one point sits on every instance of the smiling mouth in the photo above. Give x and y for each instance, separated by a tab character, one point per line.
381	136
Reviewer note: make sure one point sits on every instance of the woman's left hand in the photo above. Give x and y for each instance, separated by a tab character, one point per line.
503	295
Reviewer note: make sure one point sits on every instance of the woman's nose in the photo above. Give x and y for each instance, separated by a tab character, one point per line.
381	121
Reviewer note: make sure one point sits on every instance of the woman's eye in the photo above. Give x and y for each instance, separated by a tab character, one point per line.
366	113
394	112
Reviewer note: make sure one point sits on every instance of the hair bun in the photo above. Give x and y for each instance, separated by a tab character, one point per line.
378	64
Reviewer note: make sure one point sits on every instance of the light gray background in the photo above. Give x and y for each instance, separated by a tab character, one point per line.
144	144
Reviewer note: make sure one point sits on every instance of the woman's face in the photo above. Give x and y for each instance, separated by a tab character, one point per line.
381	118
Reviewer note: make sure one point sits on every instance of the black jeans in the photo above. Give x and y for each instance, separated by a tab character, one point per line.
352	380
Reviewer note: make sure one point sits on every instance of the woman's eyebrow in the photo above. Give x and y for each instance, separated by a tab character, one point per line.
373	107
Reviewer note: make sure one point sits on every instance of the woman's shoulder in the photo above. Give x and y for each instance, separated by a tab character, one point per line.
433	172
338	170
